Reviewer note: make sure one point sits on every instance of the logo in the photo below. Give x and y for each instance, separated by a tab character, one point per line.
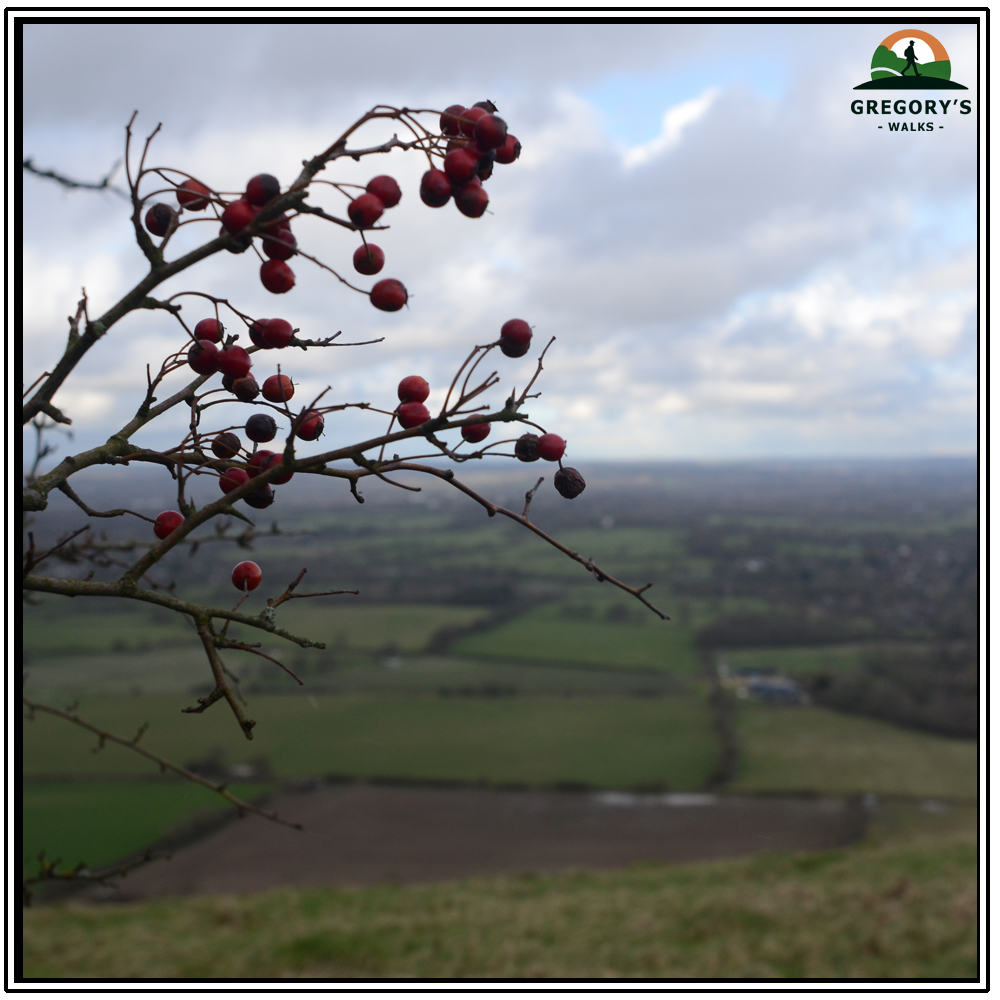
910	60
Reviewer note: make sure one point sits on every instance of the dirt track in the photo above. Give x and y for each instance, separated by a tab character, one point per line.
363	834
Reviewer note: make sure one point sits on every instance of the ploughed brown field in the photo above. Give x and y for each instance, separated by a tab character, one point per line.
364	834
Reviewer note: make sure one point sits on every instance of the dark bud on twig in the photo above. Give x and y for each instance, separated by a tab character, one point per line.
569	483
526	448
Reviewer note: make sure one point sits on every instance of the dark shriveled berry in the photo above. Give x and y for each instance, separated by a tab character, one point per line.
487	106
569	483
245	389
261	427
526	448
226	445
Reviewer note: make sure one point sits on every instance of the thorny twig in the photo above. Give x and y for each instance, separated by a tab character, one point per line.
48	871
165	765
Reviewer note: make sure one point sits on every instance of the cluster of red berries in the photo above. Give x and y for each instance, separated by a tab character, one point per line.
478	139
381	192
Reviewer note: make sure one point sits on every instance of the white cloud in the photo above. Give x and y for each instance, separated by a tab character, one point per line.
675	121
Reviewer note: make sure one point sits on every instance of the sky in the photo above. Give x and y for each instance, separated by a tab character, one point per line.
733	264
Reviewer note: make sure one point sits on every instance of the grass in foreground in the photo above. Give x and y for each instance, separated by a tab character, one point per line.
903	910
789	749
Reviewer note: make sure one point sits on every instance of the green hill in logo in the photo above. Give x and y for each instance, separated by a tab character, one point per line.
892	71
886	65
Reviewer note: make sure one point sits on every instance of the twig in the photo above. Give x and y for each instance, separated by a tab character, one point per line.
47	872
102	185
530	495
165	765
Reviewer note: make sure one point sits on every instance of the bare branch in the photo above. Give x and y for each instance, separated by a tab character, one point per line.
104	184
164	764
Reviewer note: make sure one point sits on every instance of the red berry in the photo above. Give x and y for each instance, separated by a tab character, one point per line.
238	215
460	165
262	188
166	523
280	244
365	210
551	447
261	498
412	415
389	295
261	427
278	333
193	195
209	329
203	357
277	277
509	151
232	479
435	188
385	189
234	361
226	445
471	199
278	389
450	125
515	338
311	426
476	431
160	219
490	131
369	259
263	461
247	576
413	389
469	119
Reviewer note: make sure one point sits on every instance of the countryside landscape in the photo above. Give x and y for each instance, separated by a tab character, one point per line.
822	647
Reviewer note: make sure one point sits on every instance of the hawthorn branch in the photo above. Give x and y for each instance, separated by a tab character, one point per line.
165	765
104	184
493	509
48	871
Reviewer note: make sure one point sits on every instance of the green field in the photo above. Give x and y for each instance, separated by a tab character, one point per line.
906	908
608	742
813	749
100	822
554	633
63	628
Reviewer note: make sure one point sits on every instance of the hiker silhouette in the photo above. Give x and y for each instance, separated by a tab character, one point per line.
911	59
